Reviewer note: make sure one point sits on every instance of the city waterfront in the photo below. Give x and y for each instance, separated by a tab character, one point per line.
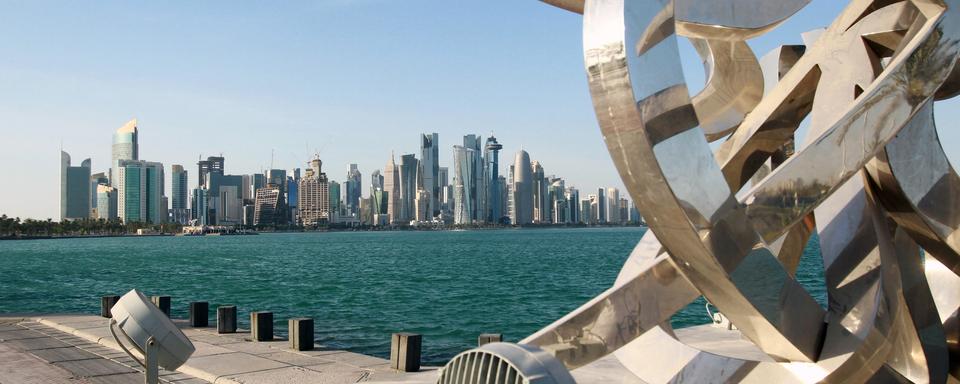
448	285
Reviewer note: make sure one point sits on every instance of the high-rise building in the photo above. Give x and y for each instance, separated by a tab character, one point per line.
96	180
476	187
125	147
212	165
559	213
446	192
179	208
539	188
596	205
277	178
430	162
334	191
601	203
409	169
391	185
624	211
140	192
465	191
422	206
586	211
106	202
268	207
314	196
573	200
353	188
491	162
376	180
613	205
224	199
74	189
257	181
522	190
198	207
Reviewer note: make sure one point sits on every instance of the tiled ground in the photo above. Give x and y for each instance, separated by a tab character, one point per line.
31	352
83	347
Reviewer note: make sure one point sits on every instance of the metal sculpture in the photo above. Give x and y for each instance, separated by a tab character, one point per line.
731	224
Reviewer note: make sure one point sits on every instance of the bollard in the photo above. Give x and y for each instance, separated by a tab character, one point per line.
106	304
162	302
261	326
199	314
301	333
405	352
487	338
227	319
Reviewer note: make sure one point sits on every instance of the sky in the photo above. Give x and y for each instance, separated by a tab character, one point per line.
352	80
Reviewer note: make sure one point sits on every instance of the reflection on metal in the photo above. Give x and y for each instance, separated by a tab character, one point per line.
870	178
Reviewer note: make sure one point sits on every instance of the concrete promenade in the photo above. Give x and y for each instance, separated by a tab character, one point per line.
79	349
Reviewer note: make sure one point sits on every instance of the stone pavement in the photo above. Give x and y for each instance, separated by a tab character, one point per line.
31	352
83	346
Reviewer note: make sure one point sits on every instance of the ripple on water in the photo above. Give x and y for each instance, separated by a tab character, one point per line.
359	287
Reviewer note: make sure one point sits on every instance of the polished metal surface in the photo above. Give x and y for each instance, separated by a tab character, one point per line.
730	224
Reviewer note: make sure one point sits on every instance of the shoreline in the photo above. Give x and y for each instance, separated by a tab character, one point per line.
326	230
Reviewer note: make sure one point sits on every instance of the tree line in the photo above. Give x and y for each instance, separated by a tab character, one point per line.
17	228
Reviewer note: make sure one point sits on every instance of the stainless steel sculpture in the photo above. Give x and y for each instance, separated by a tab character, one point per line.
870	177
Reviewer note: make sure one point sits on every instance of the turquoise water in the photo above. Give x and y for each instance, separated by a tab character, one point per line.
358	286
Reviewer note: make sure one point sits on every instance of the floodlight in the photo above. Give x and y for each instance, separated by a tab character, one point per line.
151	333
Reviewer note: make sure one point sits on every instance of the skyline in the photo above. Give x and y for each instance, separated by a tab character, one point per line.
352	80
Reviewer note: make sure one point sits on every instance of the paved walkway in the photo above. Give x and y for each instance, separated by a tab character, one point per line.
31	352
80	349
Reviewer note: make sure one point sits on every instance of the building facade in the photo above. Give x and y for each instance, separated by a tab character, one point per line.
74	189
314	196
140	192
522	190
125	147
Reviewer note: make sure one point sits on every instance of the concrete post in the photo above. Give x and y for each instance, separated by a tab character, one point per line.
227	319
301	333
487	338
405	352
199	314
106	303
162	302
261	326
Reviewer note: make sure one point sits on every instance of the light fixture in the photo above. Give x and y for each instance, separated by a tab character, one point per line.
151	333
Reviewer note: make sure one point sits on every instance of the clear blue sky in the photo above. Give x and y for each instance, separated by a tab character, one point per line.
352	79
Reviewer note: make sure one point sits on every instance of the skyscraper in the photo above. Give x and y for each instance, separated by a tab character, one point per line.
391	185
268	208
477	186
96	180
464	187
539	188
613	205
409	168
140	192
106	202
334	192
522	190
353	188
601	203
314	200
178	192
376	180
430	155
573	200
74	189
491	162
213	164
125	147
